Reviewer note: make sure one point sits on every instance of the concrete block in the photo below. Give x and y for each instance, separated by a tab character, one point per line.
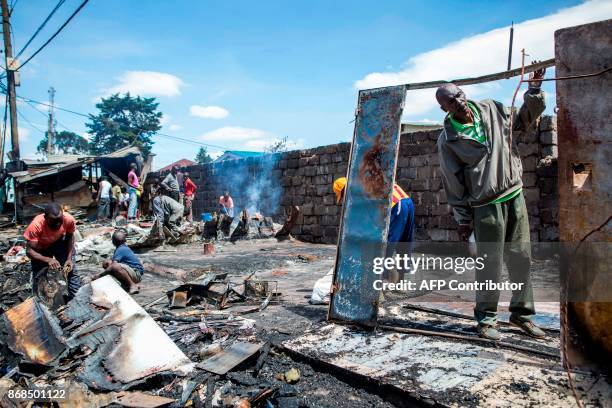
548	122
325	159
408	172
530	164
447	222
548	137
310	171
293	163
550	150
439	235
532	195
548	186
329	199
419	185
529	179
323	190
528	149
307	209
344	147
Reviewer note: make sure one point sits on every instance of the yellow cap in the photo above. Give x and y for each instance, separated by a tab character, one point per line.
339	185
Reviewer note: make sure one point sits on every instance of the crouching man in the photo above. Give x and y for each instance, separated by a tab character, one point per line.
50	239
125	265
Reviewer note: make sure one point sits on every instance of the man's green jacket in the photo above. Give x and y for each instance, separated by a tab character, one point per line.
475	174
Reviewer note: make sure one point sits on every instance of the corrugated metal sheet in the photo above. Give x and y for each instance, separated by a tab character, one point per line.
367	203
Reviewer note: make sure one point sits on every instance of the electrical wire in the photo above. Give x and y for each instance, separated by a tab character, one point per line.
54	34
21	115
30	102
42	25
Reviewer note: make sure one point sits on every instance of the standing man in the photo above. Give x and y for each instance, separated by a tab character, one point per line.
189	188
133	185
170	184
482	180
401	224
51	241
104	199
226	204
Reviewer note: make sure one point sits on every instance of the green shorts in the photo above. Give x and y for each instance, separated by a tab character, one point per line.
134	275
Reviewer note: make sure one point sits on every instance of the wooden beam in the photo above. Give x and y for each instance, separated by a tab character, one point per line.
117	179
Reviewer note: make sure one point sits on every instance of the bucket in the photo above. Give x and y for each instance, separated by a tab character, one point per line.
207	217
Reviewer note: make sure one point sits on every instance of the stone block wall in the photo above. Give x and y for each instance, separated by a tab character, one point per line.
274	183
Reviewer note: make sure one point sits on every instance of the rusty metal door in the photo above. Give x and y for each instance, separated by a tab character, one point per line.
367	205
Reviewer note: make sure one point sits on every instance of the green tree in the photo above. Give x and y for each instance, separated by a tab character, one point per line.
65	142
124	121
203	157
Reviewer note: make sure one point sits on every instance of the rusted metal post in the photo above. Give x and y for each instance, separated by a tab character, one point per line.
367	205
585	209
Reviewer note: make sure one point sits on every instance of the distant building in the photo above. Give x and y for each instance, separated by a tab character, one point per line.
237	154
410	127
181	163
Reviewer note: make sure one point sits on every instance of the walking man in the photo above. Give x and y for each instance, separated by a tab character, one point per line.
482	180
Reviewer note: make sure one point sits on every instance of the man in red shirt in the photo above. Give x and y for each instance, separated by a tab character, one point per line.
50	239
189	188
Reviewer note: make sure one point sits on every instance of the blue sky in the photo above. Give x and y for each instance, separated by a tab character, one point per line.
241	74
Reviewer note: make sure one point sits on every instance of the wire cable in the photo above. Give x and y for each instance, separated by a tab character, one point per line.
21	115
171	137
39	29
55	34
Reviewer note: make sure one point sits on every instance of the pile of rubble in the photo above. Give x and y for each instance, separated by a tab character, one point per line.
248	226
106	348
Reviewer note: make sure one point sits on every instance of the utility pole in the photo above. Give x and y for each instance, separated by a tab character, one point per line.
51	127
10	77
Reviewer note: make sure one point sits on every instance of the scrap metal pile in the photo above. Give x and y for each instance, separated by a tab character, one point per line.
105	348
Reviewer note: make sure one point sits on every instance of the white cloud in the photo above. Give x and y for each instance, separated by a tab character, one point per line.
232	133
258	144
175	128
208	112
147	83
483	54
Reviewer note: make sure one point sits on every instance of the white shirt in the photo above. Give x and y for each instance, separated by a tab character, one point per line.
105	188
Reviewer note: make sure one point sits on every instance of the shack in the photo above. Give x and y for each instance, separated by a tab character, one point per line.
70	180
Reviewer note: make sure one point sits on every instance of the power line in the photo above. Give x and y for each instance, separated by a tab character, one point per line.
54	34
176	138
27	120
13	7
39	29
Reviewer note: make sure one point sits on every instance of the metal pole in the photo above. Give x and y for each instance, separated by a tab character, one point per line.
510	47
51	127
10	77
